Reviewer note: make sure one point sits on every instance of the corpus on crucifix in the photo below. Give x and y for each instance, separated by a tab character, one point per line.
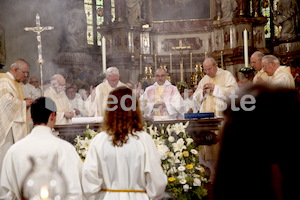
181	48
38	29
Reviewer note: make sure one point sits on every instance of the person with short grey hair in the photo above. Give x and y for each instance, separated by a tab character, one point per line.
96	102
278	75
255	62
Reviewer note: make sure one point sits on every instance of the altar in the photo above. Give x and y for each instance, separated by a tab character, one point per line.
203	130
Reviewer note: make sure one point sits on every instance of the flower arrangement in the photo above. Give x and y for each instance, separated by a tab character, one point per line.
82	143
179	156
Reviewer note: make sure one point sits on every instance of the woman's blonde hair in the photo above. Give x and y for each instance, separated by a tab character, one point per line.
123	117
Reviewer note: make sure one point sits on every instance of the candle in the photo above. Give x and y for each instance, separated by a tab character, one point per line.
191	61
155	63
205	54
181	70
103	54
222	64
44	192
141	64
246	48
170	63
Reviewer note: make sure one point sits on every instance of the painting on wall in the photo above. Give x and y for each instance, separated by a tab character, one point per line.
164	10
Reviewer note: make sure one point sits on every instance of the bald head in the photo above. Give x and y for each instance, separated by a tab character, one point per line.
160	76
255	60
58	82
20	70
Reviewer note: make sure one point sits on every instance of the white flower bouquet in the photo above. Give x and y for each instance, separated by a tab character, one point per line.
179	156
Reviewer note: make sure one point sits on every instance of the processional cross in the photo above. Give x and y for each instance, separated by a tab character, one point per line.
38	29
181	48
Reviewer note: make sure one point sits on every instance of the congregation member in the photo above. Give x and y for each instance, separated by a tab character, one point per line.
39	144
260	162
14	107
256	63
211	96
56	92
122	161
278	75
77	102
96	102
162	99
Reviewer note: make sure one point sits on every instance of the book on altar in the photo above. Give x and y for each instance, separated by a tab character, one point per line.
86	120
199	115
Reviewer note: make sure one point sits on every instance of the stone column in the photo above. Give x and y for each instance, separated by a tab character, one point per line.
107	11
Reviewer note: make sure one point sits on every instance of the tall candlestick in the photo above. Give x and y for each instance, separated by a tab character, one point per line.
171	63
222	62
141	64
103	54
205	54
181	70
246	48
155	62
191	62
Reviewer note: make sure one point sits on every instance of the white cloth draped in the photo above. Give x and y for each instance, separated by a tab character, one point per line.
134	166
40	142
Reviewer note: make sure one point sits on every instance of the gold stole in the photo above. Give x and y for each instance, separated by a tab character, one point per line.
159	90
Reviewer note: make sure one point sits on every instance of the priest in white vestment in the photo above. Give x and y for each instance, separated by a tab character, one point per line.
77	102
65	111
14	114
278	75
37	91
41	143
214	88
96	102
122	162
162	99
211	96
256	63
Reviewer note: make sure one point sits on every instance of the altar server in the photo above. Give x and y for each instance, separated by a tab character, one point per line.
96	102
41	143
162	99
122	161
13	111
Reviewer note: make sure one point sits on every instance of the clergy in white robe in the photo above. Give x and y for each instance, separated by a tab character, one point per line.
211	96
36	90
162	99
77	102
214	88
56	92
278	75
41	143
122	161
255	61
96	102
14	114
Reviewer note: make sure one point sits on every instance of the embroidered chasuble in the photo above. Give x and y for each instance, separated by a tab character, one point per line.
97	106
13	110
215	101
167	93
283	77
62	104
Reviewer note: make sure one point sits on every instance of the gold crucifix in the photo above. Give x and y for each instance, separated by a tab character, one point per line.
181	48
38	29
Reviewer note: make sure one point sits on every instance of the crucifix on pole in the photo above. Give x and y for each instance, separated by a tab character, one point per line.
38	29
